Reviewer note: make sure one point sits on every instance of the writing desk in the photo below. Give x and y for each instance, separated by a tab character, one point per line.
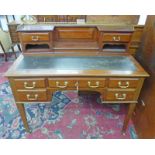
34	78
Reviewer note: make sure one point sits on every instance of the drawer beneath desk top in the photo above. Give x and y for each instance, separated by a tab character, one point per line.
92	83
123	83
31	83
62	83
81	83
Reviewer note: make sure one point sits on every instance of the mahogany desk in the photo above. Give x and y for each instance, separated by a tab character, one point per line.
117	78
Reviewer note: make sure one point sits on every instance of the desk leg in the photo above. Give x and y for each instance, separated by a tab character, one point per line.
21	110
19	48
13	51
128	116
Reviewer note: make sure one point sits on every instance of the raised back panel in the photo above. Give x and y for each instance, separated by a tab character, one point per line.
76	33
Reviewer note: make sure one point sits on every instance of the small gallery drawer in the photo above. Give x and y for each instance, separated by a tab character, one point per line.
53	83
115	95
116	37
29	83
35	37
91	83
32	96
123	83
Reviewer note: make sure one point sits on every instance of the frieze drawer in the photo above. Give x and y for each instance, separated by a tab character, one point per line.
29	83
62	83
123	83
92	83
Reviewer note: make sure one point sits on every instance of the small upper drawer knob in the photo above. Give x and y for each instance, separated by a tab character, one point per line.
116	38
35	38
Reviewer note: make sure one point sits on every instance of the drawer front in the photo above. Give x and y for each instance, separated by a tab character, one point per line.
116	37
29	83
76	83
92	83
120	95
35	37
62	84
32	96
123	83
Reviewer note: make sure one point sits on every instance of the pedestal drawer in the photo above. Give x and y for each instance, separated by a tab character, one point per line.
29	83
32	96
123	83
115	95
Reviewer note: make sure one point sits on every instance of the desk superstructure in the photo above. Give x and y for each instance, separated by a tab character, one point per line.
76	37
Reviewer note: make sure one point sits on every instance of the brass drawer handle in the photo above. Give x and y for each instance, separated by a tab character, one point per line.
30	98
91	86
35	38
118	38
29	87
123	96
125	86
64	86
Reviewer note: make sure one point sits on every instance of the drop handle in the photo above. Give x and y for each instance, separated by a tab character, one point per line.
93	86
61	86
123	86
35	38
123	96
29	87
32	98
116	38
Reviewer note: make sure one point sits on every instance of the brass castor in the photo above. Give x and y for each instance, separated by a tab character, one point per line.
123	133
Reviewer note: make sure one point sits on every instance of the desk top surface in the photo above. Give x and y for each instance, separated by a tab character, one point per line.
76	66
51	26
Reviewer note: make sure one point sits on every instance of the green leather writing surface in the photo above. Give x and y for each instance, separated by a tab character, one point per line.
118	63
